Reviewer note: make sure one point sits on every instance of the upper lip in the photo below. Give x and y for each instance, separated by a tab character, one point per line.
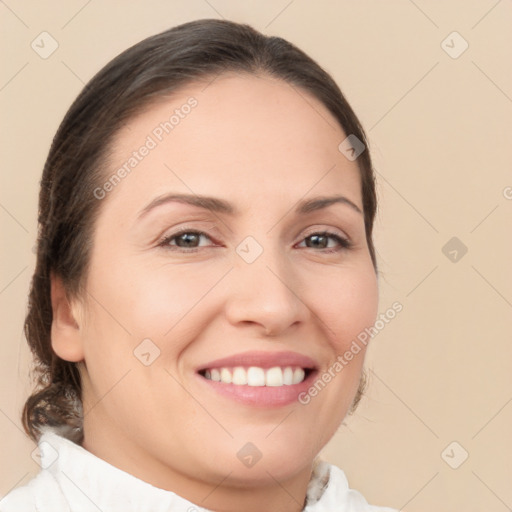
262	359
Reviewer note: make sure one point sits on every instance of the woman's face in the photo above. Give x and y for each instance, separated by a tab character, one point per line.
254	283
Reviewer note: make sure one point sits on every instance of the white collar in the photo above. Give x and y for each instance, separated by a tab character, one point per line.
73	475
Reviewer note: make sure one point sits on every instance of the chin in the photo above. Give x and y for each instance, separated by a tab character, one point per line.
264	458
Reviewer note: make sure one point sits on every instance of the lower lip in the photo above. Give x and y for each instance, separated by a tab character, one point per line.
261	396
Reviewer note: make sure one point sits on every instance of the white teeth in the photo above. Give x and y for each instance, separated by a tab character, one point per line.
288	376
274	377
298	375
225	376
239	376
256	376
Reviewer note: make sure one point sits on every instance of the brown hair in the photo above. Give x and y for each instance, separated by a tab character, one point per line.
138	77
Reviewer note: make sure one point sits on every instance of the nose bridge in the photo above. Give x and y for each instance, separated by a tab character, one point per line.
263	284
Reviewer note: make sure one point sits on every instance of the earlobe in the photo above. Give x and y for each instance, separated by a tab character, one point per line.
65	331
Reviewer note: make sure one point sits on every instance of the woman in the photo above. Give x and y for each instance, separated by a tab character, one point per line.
205	255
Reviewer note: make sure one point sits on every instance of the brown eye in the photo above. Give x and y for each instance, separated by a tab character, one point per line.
184	240
321	241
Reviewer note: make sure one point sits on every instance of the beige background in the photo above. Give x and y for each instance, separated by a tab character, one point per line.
440	134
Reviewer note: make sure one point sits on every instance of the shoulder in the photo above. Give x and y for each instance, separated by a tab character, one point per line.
22	499
19	500
41	494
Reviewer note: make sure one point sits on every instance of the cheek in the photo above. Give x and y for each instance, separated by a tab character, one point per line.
148	299
347	304
159	303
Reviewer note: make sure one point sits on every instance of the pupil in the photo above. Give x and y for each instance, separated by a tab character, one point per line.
315	239
188	238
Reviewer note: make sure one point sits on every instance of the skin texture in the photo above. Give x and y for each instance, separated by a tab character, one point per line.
263	146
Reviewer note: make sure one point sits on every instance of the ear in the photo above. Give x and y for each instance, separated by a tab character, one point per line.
65	331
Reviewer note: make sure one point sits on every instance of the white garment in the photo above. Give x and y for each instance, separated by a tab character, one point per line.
75	480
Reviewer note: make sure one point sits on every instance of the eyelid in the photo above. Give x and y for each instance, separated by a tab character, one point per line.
194	225
329	230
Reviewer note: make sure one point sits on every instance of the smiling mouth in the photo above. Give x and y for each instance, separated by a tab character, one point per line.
256	376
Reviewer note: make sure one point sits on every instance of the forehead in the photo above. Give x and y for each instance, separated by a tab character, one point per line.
237	134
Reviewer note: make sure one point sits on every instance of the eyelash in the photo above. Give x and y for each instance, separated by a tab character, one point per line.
344	243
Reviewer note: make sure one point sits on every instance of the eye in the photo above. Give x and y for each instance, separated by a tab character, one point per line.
185	239
320	240
188	240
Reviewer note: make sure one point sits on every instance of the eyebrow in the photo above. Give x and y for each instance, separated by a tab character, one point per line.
221	206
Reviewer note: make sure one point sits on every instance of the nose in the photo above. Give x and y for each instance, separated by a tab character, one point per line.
265	295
